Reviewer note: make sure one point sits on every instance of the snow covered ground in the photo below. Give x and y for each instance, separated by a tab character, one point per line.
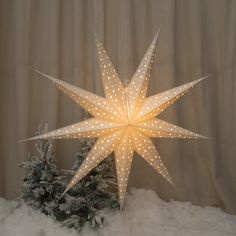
144	215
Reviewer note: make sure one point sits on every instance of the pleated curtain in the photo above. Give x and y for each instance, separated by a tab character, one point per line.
197	38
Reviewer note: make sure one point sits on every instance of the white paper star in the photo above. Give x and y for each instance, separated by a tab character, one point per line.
123	121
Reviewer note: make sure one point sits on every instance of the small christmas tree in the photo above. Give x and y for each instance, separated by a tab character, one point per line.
44	185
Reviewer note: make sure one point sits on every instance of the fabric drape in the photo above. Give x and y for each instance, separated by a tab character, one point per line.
197	38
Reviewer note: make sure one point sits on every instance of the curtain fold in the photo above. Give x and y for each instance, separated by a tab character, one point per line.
197	38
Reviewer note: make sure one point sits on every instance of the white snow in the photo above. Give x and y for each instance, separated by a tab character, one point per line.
144	215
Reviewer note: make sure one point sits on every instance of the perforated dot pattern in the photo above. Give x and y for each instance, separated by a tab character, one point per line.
123	121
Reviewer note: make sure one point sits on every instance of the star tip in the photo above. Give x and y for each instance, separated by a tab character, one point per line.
26	140
172	184
60	197
33	138
22	140
197	81
33	69
157	35
203	78
199	136
97	39
36	71
63	194
121	207
206	76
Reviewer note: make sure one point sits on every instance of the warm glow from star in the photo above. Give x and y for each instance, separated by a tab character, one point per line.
123	121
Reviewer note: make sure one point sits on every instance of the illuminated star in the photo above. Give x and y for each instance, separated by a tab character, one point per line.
124	121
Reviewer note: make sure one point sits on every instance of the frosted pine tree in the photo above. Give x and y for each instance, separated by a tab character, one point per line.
44	184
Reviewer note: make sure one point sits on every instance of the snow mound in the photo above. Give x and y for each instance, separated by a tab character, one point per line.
144	215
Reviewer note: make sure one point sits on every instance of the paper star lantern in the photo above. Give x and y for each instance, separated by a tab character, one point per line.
124	121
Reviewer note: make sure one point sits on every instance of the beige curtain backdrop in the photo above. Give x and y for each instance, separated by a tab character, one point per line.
57	37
